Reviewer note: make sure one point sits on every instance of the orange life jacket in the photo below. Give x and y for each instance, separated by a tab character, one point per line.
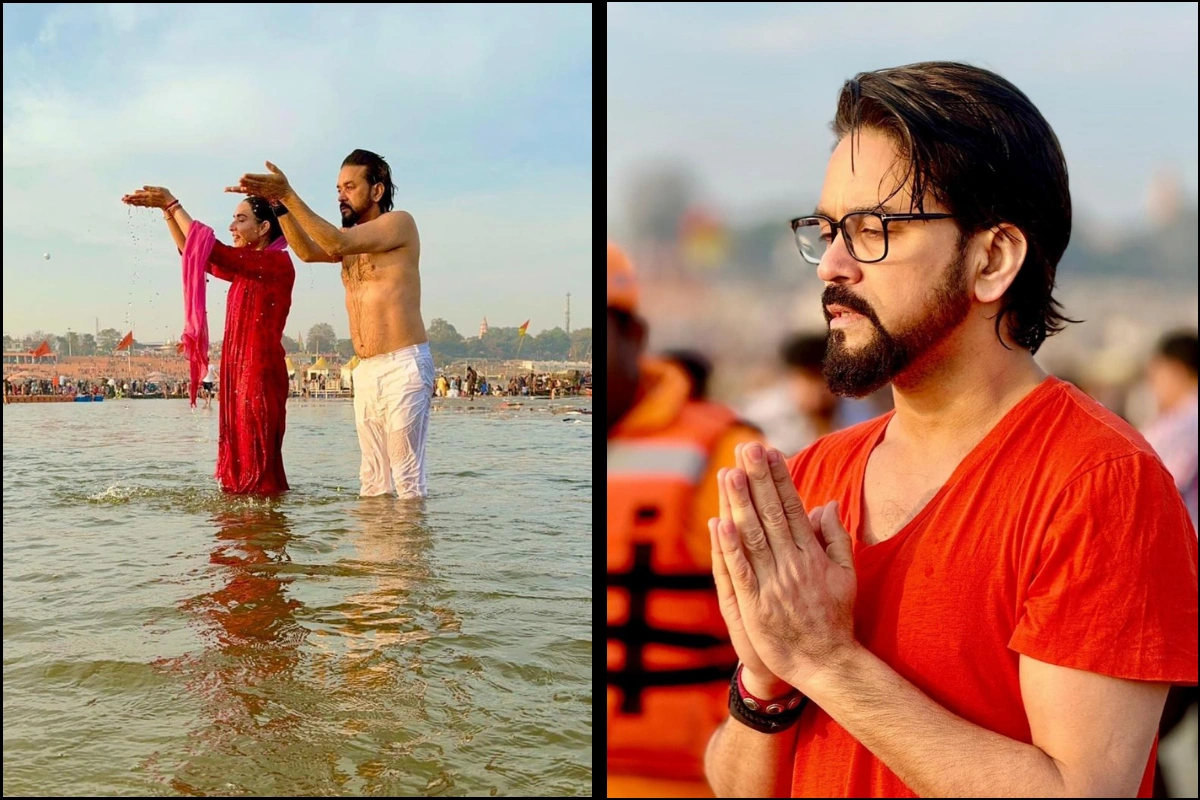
669	657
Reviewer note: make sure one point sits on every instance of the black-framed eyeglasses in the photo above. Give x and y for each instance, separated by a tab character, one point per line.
865	233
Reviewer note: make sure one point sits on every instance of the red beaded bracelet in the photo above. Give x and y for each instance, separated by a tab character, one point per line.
787	702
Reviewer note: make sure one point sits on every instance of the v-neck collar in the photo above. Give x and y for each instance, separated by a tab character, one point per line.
981	450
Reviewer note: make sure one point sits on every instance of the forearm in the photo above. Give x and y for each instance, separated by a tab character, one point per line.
935	753
741	762
325	235
176	233
300	242
179	222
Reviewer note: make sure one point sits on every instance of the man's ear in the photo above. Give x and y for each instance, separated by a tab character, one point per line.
377	192
1005	248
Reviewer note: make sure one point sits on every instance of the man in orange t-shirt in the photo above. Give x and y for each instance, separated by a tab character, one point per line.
995	583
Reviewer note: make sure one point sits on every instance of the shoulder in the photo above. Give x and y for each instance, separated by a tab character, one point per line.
738	432
399	217
716	426
1070	434
280	261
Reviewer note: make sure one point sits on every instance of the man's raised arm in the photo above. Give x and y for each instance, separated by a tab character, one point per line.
321	240
311	238
301	243
324	237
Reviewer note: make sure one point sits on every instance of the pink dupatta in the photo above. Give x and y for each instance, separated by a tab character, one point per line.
196	251
278	244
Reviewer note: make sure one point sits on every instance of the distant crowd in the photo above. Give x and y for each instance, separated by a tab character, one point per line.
106	387
469	385
473	385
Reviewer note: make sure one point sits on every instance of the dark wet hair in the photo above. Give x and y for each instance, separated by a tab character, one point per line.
976	144
263	213
378	171
1181	347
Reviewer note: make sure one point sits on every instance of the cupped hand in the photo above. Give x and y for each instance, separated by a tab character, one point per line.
150	197
272	186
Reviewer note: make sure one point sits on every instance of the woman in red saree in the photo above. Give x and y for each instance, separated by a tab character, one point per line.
253	379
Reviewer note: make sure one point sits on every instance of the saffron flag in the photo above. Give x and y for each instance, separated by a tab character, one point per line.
128	340
524	327
42	350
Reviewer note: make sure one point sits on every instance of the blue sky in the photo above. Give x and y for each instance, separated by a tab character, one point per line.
743	93
484	113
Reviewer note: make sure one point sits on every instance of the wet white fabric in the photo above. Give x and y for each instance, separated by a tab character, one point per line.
392	394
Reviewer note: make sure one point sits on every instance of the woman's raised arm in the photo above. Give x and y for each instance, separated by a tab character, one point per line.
179	222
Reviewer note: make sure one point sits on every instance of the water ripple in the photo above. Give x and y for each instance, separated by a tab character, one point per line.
161	637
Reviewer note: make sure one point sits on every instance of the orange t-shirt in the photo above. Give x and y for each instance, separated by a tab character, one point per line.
1061	536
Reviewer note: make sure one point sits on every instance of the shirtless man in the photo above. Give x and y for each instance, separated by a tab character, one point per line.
379	250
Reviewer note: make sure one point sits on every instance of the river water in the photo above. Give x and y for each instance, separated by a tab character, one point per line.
162	638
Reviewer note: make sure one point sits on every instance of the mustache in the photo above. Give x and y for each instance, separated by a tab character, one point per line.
838	295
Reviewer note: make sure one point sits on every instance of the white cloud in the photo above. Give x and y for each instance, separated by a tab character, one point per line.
125	16
49	29
744	92
118	17
190	102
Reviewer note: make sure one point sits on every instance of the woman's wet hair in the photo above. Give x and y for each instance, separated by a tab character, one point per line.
977	145
378	171
263	213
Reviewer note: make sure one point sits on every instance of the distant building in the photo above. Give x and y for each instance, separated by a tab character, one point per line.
25	357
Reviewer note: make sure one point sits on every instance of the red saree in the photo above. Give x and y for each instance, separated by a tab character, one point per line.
253	382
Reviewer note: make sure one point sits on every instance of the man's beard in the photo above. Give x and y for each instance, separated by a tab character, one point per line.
859	372
349	216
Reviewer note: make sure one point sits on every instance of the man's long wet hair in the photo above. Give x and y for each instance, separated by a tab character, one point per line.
263	213
378	171
980	148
